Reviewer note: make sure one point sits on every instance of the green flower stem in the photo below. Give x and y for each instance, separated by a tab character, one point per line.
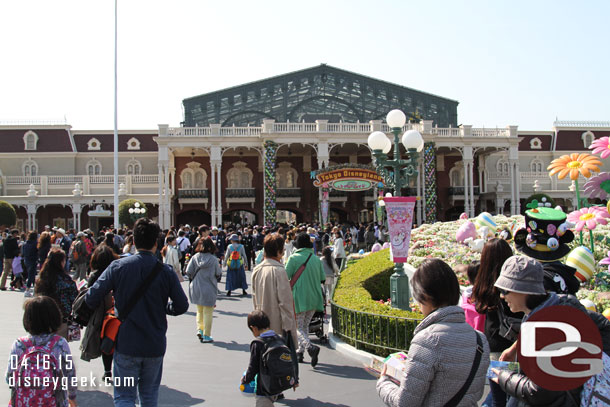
592	242
578	206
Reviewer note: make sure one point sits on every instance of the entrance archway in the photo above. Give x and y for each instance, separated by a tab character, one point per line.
337	215
193	217
239	216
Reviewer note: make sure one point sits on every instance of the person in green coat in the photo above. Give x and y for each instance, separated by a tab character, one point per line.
307	292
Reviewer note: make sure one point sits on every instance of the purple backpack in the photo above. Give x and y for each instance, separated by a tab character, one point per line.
36	366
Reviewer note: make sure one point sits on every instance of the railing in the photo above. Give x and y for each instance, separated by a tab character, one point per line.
65	179
240	131
294	127
104	179
409	126
490	132
189	131
581	124
50	122
240	193
22	180
145	179
382	334
447	132
192	193
288	192
460	190
348	128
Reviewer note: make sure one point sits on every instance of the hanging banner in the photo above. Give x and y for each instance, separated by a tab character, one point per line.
324	207
400	220
347	179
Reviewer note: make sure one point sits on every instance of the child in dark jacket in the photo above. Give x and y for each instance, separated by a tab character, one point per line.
258	322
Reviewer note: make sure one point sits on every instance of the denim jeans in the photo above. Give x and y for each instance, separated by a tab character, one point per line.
31	273
146	373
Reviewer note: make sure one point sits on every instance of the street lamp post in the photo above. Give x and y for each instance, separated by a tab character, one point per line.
401	170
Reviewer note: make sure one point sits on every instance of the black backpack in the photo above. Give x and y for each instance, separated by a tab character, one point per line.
277	367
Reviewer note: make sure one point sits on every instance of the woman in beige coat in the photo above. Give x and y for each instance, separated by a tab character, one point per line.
271	289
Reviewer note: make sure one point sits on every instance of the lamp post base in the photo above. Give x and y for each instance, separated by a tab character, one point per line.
399	288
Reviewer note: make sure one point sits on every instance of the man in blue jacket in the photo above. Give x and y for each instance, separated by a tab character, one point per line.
141	341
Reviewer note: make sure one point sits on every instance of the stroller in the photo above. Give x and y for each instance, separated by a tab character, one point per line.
316	326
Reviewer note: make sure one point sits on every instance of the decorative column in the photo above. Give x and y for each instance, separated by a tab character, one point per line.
161	190
482	173
168	214
430	182
515	163
472	201
270	182
31	209
512	189
76	212
218	193
213	194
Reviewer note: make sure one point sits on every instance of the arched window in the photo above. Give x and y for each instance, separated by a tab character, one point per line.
502	167
30	168
94	144
286	175
30	139
134	167
240	176
536	165
193	177
94	167
535	144
587	138
456	175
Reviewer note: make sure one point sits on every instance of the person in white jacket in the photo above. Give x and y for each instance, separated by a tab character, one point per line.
338	249
171	256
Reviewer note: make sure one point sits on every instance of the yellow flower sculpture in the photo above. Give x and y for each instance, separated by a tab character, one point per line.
574	164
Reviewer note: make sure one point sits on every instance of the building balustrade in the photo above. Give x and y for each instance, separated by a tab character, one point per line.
288	192
192	193
460	190
240	192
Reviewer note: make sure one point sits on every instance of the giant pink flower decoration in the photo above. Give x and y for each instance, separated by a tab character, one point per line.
601	146
598	186
588	217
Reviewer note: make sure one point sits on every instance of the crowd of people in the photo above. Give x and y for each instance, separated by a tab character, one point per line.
134	275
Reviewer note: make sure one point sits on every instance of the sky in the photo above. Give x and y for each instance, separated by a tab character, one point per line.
518	62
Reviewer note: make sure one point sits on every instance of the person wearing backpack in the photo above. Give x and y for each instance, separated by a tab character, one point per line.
234	261
79	257
271	363
41	318
182	244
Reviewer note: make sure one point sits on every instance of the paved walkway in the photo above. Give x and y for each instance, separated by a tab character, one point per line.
197	374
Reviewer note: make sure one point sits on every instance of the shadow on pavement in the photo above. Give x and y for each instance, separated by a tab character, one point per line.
244	347
308	401
231	313
351	372
174	398
94	398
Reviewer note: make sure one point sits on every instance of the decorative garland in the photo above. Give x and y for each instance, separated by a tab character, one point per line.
270	182
430	182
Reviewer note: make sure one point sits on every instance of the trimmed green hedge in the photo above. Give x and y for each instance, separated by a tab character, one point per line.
124	217
8	216
359	288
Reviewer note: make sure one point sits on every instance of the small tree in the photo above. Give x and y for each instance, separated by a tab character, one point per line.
125	218
8	216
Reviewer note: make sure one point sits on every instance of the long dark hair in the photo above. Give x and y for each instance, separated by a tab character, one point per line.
328	256
101	258
484	295
50	271
44	240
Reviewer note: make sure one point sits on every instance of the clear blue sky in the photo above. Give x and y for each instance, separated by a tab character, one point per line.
506	62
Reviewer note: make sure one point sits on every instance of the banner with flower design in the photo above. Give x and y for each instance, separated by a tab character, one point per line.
400	220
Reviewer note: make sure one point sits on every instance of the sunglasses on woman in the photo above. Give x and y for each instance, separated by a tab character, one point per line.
503	291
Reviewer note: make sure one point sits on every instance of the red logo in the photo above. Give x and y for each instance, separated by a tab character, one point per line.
560	348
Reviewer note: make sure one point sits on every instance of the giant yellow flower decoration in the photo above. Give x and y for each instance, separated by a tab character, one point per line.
574	164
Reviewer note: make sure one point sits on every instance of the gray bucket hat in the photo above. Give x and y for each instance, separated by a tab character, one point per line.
521	274
234	237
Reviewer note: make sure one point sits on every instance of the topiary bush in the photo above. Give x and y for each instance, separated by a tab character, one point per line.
8	215
362	288
124	217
